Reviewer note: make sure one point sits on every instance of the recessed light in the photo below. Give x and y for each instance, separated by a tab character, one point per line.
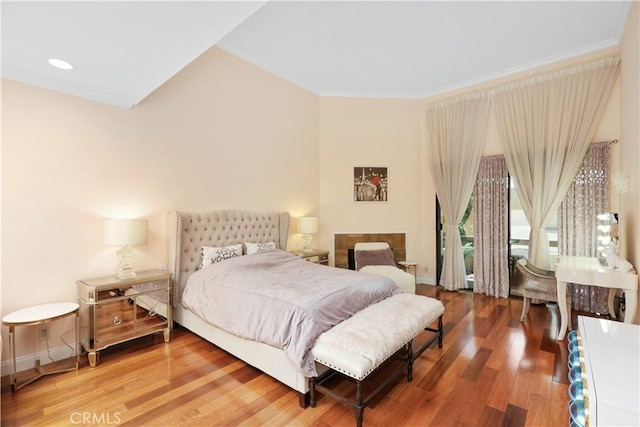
59	63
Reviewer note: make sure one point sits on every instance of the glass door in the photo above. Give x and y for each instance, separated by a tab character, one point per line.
519	231
465	227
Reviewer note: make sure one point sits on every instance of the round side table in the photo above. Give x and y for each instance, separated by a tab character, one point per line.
406	266
38	315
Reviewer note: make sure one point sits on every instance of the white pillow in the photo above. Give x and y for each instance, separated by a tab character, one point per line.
254	248
211	255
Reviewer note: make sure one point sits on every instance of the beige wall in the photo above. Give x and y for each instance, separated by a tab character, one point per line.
370	132
630	139
221	134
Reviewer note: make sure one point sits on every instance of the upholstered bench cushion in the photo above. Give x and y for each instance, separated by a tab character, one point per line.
360	344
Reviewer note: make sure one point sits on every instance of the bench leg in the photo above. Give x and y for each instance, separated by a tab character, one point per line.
409	354
440	331
359	408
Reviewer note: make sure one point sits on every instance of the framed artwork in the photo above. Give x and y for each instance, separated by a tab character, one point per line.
370	184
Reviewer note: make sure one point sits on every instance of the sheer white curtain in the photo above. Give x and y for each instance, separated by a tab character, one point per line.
587	197
490	237
546	124
456	131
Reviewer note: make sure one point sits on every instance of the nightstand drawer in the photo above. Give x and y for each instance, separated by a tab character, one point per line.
319	259
158	285
109	294
114	319
317	256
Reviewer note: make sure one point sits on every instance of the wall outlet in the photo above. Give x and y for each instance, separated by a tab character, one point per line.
163	267
44	334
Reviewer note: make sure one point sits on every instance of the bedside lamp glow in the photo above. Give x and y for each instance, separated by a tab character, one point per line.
125	233
308	226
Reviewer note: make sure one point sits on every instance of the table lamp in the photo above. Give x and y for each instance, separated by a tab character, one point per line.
308	226
125	233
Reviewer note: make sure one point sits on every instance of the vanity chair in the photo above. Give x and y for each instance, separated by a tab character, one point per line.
377	258
539	285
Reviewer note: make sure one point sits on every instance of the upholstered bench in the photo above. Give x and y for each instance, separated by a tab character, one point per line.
359	345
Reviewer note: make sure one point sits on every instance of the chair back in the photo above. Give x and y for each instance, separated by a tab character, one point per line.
539	284
370	246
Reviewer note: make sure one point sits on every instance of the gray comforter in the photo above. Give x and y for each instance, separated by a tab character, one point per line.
281	300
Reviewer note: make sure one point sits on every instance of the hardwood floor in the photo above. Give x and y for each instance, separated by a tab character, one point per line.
492	370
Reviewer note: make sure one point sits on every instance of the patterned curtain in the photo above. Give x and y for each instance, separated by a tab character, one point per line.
587	197
490	194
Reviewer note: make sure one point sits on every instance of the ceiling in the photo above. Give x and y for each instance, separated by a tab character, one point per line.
122	51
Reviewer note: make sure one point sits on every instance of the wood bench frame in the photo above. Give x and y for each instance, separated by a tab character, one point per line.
317	383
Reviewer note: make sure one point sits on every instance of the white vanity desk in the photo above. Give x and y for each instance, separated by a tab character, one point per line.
588	271
611	372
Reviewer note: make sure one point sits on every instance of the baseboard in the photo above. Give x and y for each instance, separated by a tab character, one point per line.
426	280
28	361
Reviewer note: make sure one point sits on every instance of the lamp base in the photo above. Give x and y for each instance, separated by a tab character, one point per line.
306	247
125	273
125	268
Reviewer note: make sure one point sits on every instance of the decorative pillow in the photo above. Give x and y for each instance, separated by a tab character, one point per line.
254	248
374	257
211	255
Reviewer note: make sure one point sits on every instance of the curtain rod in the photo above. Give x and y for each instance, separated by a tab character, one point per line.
611	141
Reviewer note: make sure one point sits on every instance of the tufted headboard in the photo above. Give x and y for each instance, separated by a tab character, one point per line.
188	232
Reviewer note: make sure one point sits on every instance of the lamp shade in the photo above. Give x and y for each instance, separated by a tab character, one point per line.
124	232
308	225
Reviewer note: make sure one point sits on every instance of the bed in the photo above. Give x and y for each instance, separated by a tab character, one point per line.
188	232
